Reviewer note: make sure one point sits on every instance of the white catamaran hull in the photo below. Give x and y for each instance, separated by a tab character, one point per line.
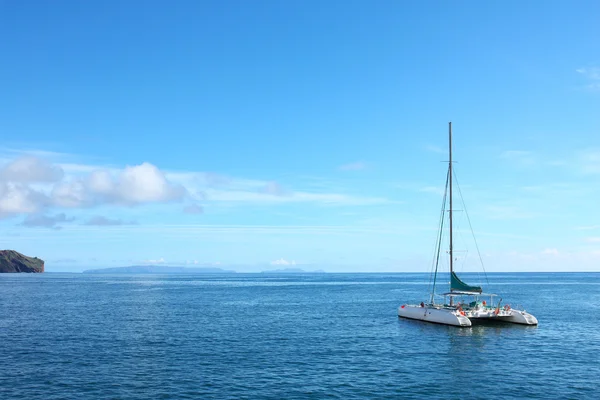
521	317
504	315
452	317
433	314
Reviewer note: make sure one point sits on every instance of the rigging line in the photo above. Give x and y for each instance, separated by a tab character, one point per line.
434	252
432	273
472	233
439	244
431	269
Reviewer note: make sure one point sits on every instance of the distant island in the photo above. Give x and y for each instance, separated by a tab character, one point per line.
12	261
292	271
157	269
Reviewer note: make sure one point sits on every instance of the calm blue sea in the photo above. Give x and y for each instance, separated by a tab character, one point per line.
253	336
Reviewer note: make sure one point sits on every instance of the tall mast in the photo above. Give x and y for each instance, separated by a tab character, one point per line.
450	211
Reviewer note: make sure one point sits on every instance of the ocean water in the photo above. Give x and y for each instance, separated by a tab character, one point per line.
253	336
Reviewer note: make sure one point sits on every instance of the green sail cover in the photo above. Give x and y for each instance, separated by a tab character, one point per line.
457	284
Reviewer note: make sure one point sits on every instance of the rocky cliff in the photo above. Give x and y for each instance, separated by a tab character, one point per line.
12	261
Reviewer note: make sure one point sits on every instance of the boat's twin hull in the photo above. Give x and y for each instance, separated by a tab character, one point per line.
452	317
520	317
433	314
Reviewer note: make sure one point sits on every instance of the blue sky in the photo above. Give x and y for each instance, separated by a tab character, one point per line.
259	133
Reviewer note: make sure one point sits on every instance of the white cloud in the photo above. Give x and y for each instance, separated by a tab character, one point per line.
19	199
139	184
593	239
282	261
71	194
100	182
29	184
145	183
29	169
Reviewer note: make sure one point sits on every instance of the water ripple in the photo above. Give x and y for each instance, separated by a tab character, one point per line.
302	337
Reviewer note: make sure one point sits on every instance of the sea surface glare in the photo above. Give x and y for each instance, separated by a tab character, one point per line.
257	336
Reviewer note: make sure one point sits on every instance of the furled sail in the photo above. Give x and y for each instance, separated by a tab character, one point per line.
457	284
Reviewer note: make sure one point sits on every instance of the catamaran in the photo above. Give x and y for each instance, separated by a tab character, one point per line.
463	304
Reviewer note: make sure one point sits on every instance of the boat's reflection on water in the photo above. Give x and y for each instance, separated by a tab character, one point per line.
464	352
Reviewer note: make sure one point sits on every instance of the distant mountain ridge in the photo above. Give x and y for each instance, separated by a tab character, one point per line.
157	269
12	261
